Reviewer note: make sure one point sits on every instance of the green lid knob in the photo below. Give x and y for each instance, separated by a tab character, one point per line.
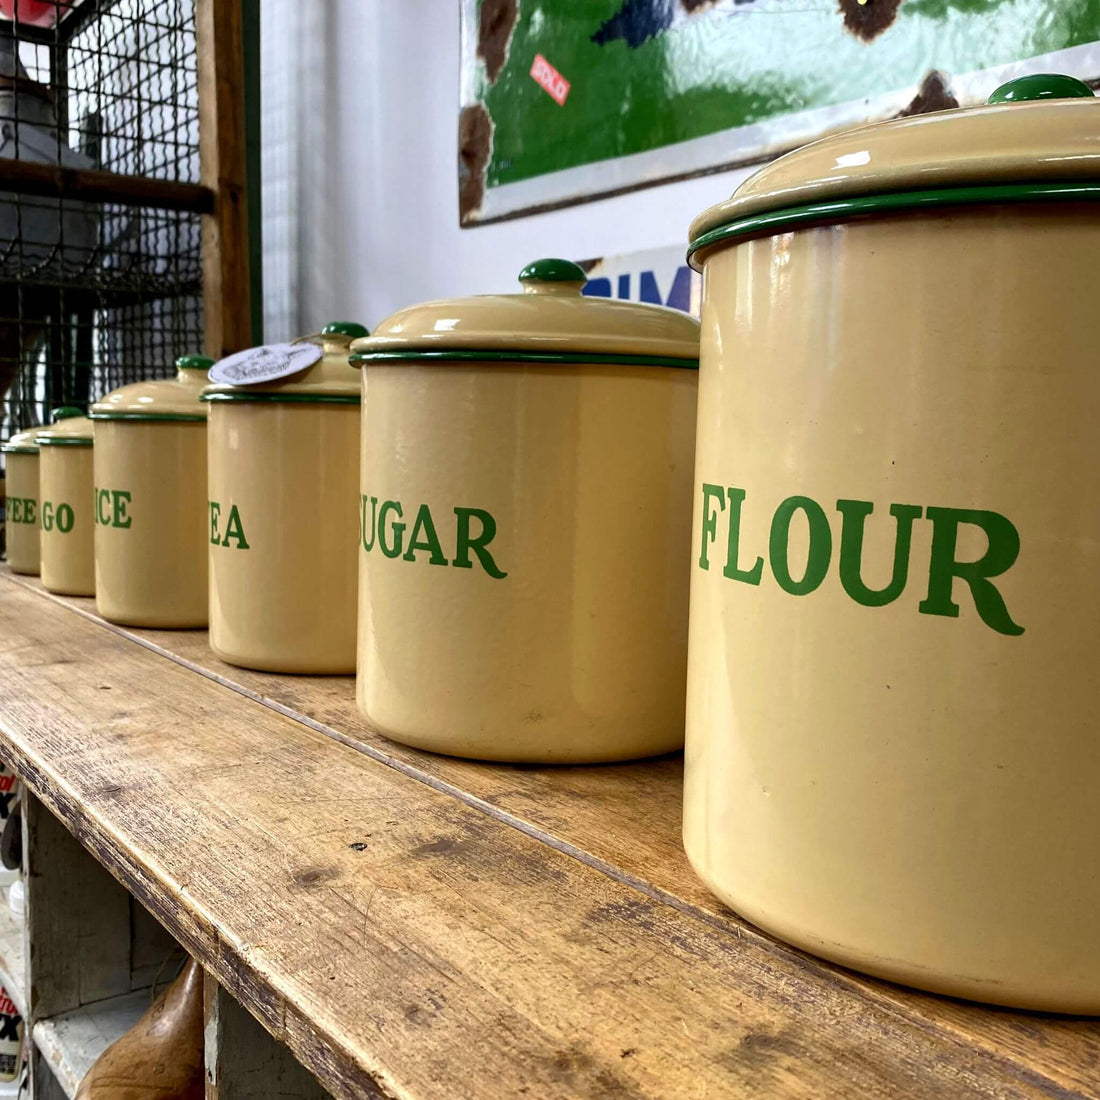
1040	86
194	362
350	329
64	412
553	271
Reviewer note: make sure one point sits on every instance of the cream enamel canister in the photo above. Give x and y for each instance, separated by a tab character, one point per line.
21	505
65	482
281	519
150	500
892	752
524	516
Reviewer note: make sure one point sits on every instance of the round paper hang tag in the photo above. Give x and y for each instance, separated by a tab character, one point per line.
264	364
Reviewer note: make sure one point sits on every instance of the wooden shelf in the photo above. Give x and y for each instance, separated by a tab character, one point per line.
414	926
70	1043
12	966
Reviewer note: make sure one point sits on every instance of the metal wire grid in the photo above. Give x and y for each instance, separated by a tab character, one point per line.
93	296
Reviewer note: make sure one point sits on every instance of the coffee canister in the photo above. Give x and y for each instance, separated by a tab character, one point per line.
892	754
150	500
21	504
524	517
281	520
65	510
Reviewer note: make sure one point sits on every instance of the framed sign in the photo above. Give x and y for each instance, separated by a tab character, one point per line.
568	100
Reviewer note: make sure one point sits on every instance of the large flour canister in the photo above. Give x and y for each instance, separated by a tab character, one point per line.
150	500
893	753
65	483
524	518
21	507
281	520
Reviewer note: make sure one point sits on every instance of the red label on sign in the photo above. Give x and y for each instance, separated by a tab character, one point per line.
549	79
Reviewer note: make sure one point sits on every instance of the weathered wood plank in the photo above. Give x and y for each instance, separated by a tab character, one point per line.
624	819
243	1062
78	928
406	944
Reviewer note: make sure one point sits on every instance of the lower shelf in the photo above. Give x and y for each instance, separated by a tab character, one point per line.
70	1043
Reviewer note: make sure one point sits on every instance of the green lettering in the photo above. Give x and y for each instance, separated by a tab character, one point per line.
424	523
821	545
234	529
215	512
710	520
479	545
65	518
16	509
733	544
102	515
47	515
397	529
1000	555
120	518
854	516
364	527
30	509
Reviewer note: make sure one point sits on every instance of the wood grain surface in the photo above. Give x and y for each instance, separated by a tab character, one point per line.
418	926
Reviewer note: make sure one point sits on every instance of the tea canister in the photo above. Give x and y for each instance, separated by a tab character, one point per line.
281	520
150	500
65	481
524	518
892	753
21	505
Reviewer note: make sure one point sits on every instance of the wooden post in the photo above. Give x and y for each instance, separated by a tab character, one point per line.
225	258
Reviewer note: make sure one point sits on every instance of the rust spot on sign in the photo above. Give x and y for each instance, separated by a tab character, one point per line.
496	21
868	20
475	142
932	95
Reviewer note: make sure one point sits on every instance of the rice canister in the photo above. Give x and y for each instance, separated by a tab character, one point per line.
524	518
281	520
892	753
65	510
21	505
150	500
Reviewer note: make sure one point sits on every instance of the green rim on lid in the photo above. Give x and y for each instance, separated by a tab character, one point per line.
287	398
758	217
552	322
70	428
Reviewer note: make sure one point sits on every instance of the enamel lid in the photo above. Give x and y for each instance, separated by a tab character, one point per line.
70	428
329	379
551	321
164	399
1037	138
22	443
